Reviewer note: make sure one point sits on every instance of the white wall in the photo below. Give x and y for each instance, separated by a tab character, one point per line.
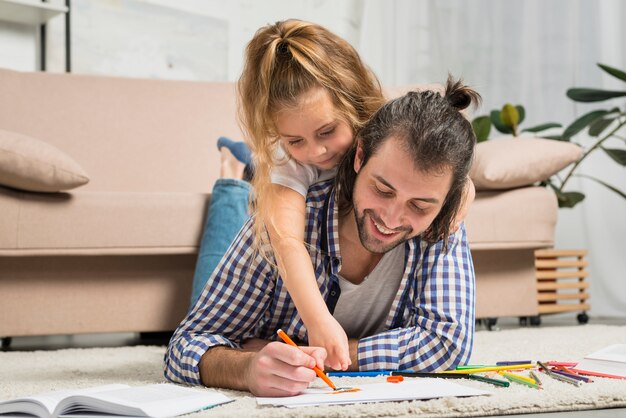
246	16
18	46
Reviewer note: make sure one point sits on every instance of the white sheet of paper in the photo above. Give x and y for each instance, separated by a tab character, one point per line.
409	389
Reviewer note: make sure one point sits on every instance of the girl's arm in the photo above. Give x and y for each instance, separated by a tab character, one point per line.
469	194
286	230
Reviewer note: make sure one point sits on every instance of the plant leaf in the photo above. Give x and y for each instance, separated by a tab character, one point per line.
509	116
613	71
608	186
543	127
618	155
497	122
522	113
599	125
482	127
582	122
555	137
593	95
569	199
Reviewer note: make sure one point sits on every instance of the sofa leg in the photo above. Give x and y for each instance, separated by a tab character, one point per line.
489	323
159	337
6	343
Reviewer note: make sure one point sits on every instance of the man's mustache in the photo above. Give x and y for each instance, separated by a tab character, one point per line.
375	218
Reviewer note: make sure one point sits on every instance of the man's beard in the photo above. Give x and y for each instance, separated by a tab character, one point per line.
372	243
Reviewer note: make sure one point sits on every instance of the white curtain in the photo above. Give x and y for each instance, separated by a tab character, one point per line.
524	52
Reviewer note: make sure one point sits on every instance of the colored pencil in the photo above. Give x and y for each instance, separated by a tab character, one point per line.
490	369
513	363
495	382
372	373
519	379
317	370
428	374
573	376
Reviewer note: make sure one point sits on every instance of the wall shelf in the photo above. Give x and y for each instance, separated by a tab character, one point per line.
30	12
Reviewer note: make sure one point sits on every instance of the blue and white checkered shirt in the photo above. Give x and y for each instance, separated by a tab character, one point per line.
430	325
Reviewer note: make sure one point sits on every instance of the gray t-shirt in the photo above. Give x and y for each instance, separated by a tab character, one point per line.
362	309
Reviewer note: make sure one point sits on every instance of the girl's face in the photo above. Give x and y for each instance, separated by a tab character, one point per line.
313	133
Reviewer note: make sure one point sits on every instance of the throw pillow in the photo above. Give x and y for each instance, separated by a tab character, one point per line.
30	164
505	163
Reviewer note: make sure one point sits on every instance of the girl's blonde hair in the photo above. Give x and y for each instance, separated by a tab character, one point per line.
283	61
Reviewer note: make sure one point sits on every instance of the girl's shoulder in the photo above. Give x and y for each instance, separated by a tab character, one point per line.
299	177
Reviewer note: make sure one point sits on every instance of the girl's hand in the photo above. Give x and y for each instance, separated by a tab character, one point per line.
469	193
328	333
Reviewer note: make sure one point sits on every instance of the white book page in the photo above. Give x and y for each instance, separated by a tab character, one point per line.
409	389
47	401
615	352
158	400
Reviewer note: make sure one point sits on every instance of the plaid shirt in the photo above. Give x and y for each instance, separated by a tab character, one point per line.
430	325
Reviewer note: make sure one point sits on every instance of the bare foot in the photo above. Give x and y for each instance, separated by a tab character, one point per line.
230	168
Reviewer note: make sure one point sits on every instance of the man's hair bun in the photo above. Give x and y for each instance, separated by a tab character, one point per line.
459	95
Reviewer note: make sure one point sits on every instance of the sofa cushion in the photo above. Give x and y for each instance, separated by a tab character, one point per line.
517	218
504	163
30	164
98	223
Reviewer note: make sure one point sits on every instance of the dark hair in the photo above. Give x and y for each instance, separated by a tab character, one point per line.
433	132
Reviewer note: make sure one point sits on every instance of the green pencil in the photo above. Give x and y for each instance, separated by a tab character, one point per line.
516	379
472	366
496	382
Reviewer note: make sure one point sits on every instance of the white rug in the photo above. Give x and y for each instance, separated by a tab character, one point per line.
26	373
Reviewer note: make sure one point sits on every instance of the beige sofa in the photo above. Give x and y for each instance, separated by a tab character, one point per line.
117	254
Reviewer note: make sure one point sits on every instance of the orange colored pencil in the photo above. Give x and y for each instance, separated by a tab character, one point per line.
316	369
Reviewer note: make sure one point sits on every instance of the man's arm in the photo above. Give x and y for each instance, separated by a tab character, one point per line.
236	296
277	369
209	345
439	330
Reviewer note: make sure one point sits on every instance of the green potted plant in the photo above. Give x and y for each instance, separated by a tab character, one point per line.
601	125
507	121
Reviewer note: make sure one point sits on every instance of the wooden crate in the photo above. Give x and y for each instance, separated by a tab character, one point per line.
561	284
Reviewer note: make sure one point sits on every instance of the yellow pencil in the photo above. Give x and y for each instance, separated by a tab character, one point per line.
519	379
491	369
527	379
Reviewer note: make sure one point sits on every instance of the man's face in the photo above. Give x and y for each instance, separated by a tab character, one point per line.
393	200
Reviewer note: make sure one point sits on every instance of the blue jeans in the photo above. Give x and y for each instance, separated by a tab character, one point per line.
226	215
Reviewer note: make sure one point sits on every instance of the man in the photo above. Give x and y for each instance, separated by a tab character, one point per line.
399	284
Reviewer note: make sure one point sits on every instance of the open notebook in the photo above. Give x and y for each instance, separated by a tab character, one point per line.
160	401
409	389
608	362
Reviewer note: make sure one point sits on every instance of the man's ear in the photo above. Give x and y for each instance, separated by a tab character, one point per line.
358	156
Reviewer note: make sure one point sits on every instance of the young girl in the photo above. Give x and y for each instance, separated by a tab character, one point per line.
303	95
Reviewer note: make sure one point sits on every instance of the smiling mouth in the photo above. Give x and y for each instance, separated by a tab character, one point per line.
382	229
328	160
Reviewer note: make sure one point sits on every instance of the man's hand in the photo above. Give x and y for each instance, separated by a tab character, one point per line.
279	369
